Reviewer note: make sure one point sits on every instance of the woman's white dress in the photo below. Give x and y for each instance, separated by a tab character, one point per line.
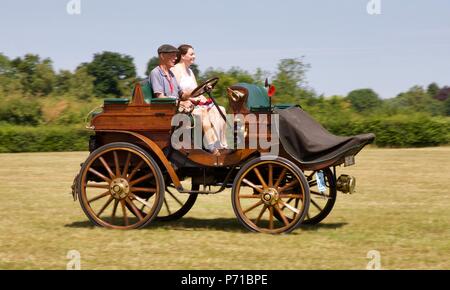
188	83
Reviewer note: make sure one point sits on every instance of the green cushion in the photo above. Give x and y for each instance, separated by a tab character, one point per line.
112	101
258	100
163	101
147	90
257	96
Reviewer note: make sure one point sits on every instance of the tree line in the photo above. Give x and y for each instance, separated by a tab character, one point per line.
33	93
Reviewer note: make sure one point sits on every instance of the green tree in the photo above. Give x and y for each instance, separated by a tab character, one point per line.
5	65
62	82
416	99
364	100
78	84
114	73
260	76
9	81
21	111
290	81
447	107
227	79
37	77
443	94
82	84
433	89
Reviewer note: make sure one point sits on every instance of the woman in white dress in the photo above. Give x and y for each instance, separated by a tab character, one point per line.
212	122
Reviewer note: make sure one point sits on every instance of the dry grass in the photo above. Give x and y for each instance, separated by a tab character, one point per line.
402	209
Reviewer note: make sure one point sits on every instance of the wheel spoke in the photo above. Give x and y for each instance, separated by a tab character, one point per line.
289	200
313	183
313	192
140	179
174	197
99	175
270	175
260	214
253	206
113	216
283	217
310	176
289	185
290	196
105	206
116	162
127	164
167	206
249	183
258	174
280	178
142	201
99	196
143	189
134	209
250	196
141	162
316	205
102	160
124	210
271	217
95	185
287	205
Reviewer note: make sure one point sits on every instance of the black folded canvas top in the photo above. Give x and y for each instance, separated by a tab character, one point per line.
307	141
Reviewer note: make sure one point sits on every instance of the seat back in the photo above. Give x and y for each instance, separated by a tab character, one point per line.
257	99
147	91
116	101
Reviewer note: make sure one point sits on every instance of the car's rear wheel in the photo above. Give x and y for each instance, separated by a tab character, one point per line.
120	186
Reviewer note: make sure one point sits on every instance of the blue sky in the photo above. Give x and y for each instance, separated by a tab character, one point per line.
407	44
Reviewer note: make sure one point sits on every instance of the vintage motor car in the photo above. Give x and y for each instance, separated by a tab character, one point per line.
135	175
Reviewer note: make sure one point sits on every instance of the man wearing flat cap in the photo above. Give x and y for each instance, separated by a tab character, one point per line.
161	77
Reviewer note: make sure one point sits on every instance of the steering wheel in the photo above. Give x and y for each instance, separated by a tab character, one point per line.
205	87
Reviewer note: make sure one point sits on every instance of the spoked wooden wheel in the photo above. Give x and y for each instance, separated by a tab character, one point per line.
322	202
121	186
176	204
271	183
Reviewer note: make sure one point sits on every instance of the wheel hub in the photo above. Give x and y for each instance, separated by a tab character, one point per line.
119	188
270	196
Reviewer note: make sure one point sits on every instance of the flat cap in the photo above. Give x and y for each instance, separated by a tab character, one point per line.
166	48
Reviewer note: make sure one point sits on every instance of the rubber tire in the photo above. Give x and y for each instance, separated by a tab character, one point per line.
184	209
330	203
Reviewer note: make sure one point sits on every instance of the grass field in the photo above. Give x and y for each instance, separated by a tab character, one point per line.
401	209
